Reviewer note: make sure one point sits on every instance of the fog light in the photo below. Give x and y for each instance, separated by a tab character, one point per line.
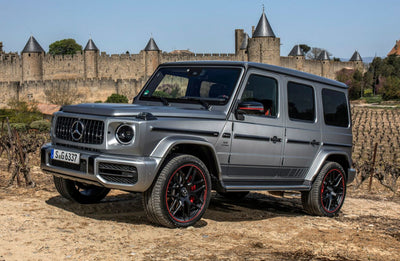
124	134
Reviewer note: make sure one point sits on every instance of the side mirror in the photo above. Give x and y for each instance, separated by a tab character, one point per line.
248	107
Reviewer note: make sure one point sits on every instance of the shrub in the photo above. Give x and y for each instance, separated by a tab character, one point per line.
373	99
21	112
19	126
41	125
117	98
368	93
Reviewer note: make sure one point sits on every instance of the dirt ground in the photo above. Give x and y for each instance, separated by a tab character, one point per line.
38	224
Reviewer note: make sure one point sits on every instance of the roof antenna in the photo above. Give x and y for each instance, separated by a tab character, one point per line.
263	8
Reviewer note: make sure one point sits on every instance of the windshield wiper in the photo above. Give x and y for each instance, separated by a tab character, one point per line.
199	100
162	99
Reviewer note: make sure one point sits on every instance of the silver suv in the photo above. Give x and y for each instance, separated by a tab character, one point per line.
195	127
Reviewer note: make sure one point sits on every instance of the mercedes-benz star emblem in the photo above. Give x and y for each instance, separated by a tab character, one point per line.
77	130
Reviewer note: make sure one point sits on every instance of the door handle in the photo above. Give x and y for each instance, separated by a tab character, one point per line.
276	139
314	143
226	135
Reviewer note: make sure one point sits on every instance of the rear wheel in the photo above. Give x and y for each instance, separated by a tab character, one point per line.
79	192
328	191
181	194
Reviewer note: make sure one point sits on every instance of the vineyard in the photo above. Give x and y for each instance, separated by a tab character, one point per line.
378	128
372	127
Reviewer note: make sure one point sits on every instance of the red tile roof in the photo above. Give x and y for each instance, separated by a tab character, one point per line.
396	49
48	109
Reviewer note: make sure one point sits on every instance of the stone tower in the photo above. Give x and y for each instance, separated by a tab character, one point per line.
264	46
91	53
242	53
357	61
32	61
324	58
298	54
151	57
239	35
1	47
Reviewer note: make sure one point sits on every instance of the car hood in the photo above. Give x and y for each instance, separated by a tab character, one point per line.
132	110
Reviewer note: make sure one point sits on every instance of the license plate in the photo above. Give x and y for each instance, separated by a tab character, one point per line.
67	156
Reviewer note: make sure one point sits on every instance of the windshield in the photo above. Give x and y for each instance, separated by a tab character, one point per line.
192	85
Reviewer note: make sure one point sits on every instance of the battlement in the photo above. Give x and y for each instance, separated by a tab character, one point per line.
10	57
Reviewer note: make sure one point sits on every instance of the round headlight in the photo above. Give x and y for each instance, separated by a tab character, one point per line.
124	134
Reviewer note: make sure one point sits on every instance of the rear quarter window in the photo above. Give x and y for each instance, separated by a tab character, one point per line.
301	103
335	108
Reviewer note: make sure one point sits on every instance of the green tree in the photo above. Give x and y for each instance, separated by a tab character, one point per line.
65	46
353	79
378	73
391	88
305	48
117	98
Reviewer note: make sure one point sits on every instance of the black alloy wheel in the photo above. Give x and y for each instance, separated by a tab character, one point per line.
186	193
328	191
181	193
332	190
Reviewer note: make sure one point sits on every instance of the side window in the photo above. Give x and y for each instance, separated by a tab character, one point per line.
335	108
301	103
263	90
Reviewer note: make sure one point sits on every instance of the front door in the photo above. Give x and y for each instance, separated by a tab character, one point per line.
256	149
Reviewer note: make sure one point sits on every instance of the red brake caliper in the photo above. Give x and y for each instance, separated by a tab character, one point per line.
192	188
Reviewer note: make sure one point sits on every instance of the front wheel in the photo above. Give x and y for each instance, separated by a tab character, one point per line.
79	192
327	193
181	194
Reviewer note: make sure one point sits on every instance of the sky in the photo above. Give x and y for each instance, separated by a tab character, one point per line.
206	26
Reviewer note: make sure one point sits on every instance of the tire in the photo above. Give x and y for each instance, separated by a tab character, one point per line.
79	192
181	194
327	193
234	196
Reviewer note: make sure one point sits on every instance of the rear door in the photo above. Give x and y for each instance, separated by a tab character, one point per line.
303	129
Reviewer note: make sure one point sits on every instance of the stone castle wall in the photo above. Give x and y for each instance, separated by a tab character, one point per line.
10	67
94	76
85	90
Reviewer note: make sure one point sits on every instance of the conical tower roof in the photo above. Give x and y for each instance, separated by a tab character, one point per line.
245	42
323	56
296	51
356	57
263	28
151	45
32	46
90	46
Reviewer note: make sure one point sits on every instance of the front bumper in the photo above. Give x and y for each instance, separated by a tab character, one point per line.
111	171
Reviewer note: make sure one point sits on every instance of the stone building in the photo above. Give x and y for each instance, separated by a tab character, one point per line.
95	75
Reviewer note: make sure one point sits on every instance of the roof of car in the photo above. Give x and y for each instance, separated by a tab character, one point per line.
263	66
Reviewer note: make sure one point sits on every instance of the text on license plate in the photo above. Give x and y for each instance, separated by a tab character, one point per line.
66	156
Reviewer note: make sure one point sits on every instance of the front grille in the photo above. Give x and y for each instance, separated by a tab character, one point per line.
118	173
93	132
81	167
76	147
